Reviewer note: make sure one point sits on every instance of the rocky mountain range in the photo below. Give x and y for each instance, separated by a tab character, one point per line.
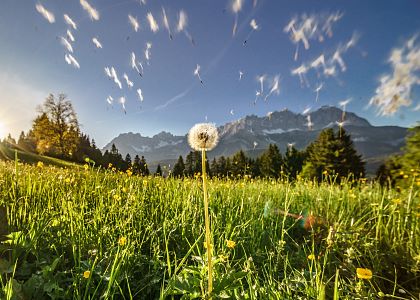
253	134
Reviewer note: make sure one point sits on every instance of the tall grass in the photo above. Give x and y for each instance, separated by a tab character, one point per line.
142	237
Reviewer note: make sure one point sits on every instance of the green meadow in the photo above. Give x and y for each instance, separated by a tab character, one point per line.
88	233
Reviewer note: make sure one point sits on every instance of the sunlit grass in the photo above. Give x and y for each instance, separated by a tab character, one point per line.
86	233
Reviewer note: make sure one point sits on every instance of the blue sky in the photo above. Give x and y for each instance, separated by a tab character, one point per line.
32	63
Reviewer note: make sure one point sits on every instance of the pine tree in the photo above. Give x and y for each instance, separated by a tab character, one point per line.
179	168
136	165
128	160
158	171
222	168
239	164
334	154
271	162
144	169
293	162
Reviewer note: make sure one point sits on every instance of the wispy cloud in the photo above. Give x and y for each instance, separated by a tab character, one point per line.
174	99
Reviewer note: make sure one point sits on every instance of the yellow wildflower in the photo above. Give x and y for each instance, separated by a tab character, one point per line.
363	273
230	244
117	197
40	164
405	176
86	274
122	241
396	201
129	172
109	165
86	166
311	257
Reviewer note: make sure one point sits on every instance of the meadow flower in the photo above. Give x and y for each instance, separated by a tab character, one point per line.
86	274
122	241
86	166
203	136
311	257
230	244
363	273
40	164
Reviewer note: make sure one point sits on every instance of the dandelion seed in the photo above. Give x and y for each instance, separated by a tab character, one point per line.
241	74
93	13
257	95
96	42
261	80
290	146
133	22
231	112
166	23
69	21
275	87
269	115
154	27
140	94
317	90
135	64
343	105
363	273
49	16
197	73
254	27
309	122
306	111
182	25
122	102
66	44
130	84
86	274
70	35
71	61
301	71
236	7
115	77
110	100
255	145
147	51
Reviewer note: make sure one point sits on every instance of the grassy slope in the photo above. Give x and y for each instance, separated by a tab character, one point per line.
32	158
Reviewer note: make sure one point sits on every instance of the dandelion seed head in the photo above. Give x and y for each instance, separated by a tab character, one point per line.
203	136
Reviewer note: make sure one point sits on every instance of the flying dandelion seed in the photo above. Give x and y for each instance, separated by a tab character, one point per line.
310	27
122	102
254	3
130	84
306	111
290	146
337	58
343	105
255	145
395	89
197	73
309	122
70	36
254	27
140	94
275	87
69	21
147	51
108	72
133	22
71	61
135	64
49	16
182	25
301	71
93	13
236	7
66	44
154	27
232	112
269	115
166	23
96	42
241	74
330	71
317	63
110	100
261	79
317	90
257	96
115	77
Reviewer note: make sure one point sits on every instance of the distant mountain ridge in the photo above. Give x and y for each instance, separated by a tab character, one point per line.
253	134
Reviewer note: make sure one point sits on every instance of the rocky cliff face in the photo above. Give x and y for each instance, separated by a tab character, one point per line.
253	134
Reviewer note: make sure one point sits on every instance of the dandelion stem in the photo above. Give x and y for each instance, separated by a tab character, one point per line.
207	223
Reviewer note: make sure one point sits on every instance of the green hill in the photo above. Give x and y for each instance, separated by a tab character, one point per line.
7	153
